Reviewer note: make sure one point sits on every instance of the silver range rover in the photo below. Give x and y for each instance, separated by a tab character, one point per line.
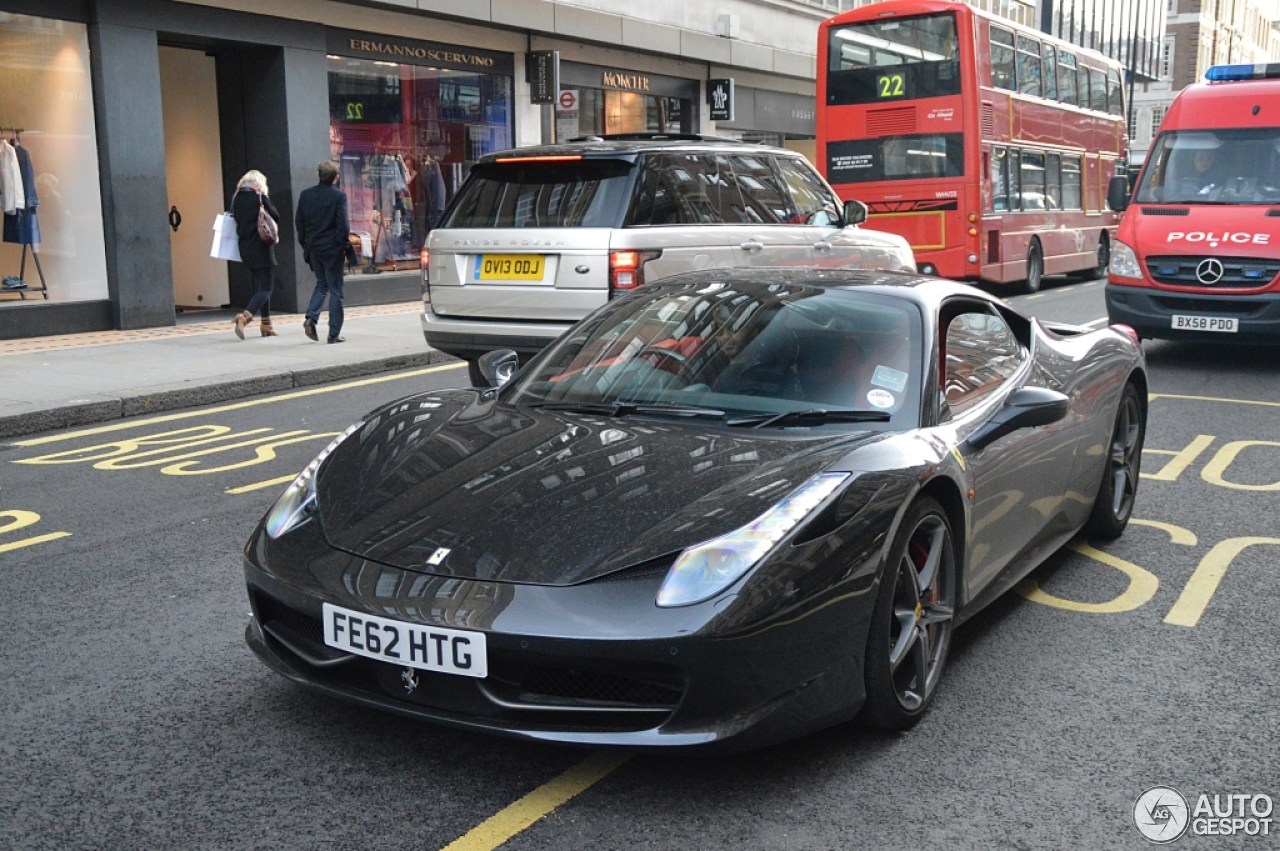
537	238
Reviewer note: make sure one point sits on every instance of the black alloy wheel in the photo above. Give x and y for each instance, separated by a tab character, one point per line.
912	621
1035	268
1119	486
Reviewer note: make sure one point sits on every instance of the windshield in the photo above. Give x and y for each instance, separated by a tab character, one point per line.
731	350
896	59
1212	167
534	194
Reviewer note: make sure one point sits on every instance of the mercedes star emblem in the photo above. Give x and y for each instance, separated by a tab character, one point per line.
1209	271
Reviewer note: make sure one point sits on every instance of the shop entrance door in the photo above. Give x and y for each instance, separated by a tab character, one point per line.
193	171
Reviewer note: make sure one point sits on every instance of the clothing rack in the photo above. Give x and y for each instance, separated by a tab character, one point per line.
22	269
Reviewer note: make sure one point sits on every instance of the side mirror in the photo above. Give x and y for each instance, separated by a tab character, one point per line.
855	213
1025	408
498	367
1118	193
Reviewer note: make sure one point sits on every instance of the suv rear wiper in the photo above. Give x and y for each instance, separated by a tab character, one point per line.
622	409
812	416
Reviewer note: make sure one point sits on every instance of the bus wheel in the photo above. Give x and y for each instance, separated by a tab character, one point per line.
1035	268
1104	260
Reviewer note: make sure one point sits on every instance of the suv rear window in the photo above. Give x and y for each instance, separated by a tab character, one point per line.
584	194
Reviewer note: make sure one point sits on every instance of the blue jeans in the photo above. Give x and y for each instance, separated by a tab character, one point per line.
328	283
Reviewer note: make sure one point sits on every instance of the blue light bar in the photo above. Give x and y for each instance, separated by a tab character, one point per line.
1222	73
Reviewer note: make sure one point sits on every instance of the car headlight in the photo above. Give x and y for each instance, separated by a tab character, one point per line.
707	569
290	509
1124	263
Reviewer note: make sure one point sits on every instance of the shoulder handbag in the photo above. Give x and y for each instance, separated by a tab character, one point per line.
268	230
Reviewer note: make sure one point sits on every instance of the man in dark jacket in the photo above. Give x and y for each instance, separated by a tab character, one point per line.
324	234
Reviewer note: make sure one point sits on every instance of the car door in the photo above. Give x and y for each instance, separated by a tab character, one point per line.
817	211
682	214
773	234
1017	483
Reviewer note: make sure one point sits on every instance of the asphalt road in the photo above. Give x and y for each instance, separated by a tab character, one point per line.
133	716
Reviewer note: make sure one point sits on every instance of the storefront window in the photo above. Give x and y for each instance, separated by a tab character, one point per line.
596	112
48	164
405	137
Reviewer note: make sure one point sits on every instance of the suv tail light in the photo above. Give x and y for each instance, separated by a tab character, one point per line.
424	257
626	269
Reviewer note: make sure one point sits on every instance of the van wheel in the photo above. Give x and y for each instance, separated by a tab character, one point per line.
1035	268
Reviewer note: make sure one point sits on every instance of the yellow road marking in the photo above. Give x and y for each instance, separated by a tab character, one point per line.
1142	586
235	406
257	486
1182	458
30	542
1200	588
1154	396
539	803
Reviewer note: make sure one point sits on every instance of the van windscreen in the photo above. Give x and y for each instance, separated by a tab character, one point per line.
1213	167
529	194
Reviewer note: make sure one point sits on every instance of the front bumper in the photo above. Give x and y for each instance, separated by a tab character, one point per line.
1150	312
594	664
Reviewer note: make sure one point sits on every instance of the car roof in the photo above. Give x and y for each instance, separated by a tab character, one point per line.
924	290
631	144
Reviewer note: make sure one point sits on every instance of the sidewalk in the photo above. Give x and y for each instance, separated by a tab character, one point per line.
74	379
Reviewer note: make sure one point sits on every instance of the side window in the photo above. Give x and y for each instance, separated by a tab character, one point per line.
1053	180
1071	183
1029	66
1115	93
1050	72
981	353
813	201
765	199
1097	90
999	180
1002	59
1067	75
679	189
1032	173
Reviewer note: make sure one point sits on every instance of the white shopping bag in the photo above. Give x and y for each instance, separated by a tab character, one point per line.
226	246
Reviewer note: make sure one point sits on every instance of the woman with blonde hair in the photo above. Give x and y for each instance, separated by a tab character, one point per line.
258	254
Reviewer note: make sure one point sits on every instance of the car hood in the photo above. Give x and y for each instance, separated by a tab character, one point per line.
454	484
1205	229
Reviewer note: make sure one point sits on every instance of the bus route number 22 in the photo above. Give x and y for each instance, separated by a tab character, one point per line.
891	85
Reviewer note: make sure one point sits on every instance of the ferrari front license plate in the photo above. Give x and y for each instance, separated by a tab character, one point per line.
415	645
509	267
1225	324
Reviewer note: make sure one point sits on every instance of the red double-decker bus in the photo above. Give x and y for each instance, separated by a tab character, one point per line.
988	145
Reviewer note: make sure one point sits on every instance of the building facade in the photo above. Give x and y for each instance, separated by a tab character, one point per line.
1199	34
137	119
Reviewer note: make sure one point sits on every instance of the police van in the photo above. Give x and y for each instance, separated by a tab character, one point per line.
1197	254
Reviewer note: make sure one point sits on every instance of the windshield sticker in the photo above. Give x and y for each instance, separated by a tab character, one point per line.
880	398
894	379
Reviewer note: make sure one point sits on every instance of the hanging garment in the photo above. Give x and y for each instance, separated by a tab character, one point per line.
22	226
11	179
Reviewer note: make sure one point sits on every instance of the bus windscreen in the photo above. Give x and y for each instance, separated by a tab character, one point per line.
899	59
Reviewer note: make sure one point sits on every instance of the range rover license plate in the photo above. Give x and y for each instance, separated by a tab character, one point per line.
431	648
508	267
1225	324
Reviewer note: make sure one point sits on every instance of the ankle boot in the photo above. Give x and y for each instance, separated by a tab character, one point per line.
243	318
266	329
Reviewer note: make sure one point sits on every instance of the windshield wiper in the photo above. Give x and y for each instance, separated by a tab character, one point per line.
622	409
812	416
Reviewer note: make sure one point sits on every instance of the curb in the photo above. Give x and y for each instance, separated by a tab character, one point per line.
81	412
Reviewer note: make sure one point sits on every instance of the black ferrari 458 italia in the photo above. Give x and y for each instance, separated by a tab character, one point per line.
724	510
